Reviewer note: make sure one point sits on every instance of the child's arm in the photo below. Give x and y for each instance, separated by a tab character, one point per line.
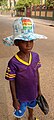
16	104
39	89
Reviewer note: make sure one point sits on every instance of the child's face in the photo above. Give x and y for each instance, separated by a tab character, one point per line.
25	46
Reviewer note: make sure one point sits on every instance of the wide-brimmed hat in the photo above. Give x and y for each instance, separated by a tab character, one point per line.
23	29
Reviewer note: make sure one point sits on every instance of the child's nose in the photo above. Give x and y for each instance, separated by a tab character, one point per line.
28	43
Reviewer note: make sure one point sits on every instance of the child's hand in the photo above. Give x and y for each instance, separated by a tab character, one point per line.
39	93
16	104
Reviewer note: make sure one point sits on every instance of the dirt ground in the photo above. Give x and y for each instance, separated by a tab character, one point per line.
46	51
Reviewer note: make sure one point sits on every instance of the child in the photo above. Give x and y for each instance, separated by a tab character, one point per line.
22	70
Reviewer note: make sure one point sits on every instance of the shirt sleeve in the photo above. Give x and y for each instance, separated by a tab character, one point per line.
38	62
10	71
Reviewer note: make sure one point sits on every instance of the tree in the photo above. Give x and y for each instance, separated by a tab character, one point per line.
3	3
25	3
50	3
37	2
0	2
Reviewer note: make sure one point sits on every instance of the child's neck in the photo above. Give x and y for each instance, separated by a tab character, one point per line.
24	56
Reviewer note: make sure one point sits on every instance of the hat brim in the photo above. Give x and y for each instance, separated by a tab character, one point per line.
8	41
29	36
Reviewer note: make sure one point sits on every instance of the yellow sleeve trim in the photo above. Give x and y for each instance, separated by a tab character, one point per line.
38	63
10	75
24	62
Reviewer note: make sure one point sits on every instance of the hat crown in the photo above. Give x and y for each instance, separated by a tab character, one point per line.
23	25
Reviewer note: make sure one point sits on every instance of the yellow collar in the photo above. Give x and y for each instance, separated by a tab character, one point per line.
24	62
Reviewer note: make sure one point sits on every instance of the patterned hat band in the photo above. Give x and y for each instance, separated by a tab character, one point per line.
23	29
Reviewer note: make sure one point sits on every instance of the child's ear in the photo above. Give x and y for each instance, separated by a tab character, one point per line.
16	42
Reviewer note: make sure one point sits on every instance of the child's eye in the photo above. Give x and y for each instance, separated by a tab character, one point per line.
24	41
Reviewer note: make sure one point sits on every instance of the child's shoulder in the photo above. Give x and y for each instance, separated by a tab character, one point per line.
12	59
35	54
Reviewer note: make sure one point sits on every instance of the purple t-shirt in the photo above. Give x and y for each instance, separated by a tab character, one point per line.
25	76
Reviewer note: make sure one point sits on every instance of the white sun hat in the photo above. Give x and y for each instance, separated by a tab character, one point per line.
23	29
